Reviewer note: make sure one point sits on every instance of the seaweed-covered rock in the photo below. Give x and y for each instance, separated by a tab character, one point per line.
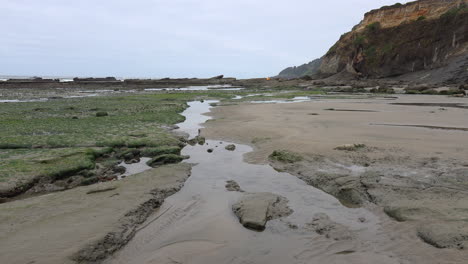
233	186
89	181
101	114
230	147
197	140
165	159
285	156
350	147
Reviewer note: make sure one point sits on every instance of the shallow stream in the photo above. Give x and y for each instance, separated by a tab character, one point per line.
197	225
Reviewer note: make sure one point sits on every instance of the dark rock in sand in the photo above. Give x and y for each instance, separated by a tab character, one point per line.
89	181
201	140
130	154
351	147
197	140
101	114
132	161
230	147
119	169
210	150
233	186
164	159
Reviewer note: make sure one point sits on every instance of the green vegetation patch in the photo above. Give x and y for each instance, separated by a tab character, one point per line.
420	18
359	40
153	152
80	123
64	137
26	164
373	27
285	156
453	12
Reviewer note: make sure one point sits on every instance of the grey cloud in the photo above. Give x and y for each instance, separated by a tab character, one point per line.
175	38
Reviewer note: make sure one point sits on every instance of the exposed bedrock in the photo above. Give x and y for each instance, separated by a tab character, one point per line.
255	209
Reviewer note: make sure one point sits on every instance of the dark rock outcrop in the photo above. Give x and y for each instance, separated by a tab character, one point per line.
308	69
107	79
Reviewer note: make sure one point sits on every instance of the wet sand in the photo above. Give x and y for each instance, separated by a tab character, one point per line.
197	225
417	173
51	228
291	126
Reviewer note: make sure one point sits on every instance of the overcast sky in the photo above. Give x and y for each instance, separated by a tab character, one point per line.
170	38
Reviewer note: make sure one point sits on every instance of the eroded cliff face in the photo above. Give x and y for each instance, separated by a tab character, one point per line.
392	16
399	39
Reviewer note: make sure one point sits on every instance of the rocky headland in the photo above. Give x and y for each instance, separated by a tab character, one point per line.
423	41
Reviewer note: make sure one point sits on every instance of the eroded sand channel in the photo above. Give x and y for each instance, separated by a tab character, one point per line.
197	225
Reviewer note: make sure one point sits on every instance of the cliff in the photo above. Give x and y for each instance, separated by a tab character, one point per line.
429	37
395	15
310	68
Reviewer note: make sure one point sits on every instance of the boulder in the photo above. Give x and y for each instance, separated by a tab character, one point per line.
255	209
233	186
198	139
230	147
